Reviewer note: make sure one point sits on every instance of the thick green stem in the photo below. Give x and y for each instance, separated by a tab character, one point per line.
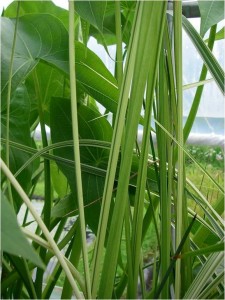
180	179
77	165
146	60
119	50
113	158
165	199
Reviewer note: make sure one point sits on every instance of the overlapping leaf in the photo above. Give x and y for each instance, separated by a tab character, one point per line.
43	37
37	7
13	240
212	12
19	131
51	82
109	25
39	36
92	11
91	126
207	56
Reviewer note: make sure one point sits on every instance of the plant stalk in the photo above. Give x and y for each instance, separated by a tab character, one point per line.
119	49
180	179
143	64
44	229
113	158
77	164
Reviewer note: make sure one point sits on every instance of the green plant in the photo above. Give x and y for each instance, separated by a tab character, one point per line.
100	174
208	155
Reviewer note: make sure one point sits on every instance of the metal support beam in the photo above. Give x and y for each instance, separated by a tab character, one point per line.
190	9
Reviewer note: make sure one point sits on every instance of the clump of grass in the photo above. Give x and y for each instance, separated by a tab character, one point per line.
212	158
207	155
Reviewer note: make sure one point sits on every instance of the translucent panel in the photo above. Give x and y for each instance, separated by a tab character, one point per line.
210	115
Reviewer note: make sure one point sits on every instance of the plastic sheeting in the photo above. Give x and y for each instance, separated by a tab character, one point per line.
196	139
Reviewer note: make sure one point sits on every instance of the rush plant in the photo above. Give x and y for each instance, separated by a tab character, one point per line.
95	172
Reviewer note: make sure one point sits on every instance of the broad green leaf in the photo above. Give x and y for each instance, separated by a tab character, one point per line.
207	56
43	37
13	240
91	126
39	36
108	31
65	207
95	78
37	7
51	82
59	181
19	131
109	26
92	11
212	12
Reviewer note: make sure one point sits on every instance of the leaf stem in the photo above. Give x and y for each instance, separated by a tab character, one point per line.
180	191
119	50
44	229
77	164
114	154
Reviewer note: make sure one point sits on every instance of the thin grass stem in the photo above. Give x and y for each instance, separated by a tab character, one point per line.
77	166
119	49
180	187
41	224
114	154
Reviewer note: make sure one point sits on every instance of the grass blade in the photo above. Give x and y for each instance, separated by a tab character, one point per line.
180	179
144	62
207	56
198	94
175	257
204	275
210	249
44	229
113	158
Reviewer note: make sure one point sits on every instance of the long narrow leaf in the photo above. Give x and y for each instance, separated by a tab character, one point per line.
144	62
207	56
174	258
204	275
114	153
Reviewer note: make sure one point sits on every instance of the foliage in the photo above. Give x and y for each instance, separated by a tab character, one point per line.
208	155
136	199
